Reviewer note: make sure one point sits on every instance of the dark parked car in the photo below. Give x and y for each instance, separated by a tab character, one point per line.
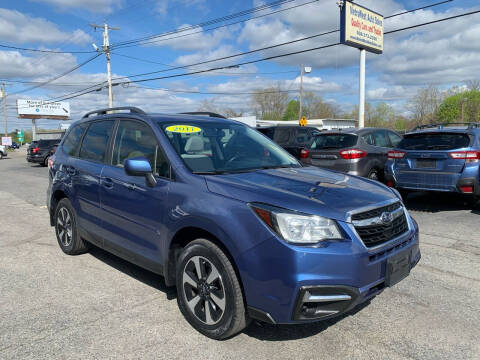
234	221
291	138
14	146
437	158
361	152
41	151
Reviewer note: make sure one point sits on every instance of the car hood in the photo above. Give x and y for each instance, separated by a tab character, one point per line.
309	190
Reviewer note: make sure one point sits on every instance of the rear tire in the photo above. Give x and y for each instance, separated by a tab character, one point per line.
209	294
66	229
476	202
1	155
45	162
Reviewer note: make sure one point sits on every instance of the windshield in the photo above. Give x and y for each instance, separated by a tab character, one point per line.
434	141
334	141
216	148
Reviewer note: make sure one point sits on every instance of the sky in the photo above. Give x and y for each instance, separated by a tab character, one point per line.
444	54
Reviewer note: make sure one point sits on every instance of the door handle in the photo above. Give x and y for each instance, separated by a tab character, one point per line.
130	186
107	182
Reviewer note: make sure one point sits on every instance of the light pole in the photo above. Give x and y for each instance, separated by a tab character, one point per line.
306	70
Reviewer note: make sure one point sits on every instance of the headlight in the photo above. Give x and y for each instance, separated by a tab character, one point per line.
298	228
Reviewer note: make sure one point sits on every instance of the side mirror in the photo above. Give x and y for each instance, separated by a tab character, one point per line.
139	166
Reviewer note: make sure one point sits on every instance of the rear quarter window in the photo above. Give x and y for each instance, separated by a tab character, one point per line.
435	141
71	142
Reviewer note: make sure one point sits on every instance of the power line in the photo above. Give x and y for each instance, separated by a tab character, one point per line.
208	22
216	27
58	76
45	51
213	93
265	48
86	91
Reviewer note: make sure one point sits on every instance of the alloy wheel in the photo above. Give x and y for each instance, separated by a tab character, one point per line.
204	290
64	226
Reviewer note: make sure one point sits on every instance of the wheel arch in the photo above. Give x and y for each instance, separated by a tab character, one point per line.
57	195
181	239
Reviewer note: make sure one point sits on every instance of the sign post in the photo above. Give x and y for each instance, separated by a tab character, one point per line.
361	28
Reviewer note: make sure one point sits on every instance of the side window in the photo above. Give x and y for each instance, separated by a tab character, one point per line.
368	138
135	139
95	142
73	138
281	136
394	138
381	138
303	137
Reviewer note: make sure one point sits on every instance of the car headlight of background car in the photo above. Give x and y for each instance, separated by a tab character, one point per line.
297	228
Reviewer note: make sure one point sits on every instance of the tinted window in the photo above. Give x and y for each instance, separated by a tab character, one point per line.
394	138
334	141
48	143
135	139
95	142
212	147
381	139
281	136
267	132
434	141
73	138
304	137
368	138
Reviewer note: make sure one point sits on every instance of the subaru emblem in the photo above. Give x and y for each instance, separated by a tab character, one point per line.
386	217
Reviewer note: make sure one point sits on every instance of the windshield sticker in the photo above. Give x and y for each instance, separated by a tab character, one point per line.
183	129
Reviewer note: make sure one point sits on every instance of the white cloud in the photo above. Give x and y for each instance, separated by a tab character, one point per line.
98	6
16	27
14	64
194	39
200	56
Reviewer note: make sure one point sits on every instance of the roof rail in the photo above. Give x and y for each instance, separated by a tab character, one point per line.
133	110
203	113
442	125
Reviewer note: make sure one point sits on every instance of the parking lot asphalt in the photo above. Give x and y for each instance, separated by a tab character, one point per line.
98	306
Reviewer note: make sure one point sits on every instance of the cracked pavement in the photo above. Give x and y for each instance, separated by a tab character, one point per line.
99	306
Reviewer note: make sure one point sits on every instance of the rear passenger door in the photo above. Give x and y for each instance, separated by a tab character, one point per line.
85	172
132	212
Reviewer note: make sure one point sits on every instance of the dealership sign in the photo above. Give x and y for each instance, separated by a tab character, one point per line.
41	108
361	28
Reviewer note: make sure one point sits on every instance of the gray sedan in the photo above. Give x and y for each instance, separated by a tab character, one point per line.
361	152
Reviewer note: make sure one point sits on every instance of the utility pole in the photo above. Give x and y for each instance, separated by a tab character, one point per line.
361	100
106	50
4	98
301	92
303	70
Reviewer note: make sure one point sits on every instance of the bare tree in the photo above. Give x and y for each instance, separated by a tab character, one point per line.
473	84
210	106
425	104
270	103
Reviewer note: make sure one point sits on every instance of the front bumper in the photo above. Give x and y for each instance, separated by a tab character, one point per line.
278	285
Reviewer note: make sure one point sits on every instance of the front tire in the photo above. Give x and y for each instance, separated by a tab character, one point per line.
45	162
208	291
66	229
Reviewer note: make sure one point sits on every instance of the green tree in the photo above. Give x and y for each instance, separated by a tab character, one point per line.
292	111
464	106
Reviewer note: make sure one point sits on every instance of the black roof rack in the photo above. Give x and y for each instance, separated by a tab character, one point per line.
133	110
203	113
441	126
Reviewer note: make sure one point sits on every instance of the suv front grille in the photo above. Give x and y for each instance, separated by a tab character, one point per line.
373	231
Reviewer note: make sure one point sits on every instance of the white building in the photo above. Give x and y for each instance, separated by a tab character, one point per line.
321	124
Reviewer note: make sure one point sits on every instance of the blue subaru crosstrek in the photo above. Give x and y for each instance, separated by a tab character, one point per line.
241	228
437	158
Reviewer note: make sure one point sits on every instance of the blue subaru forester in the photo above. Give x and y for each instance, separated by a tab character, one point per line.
236	223
437	158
